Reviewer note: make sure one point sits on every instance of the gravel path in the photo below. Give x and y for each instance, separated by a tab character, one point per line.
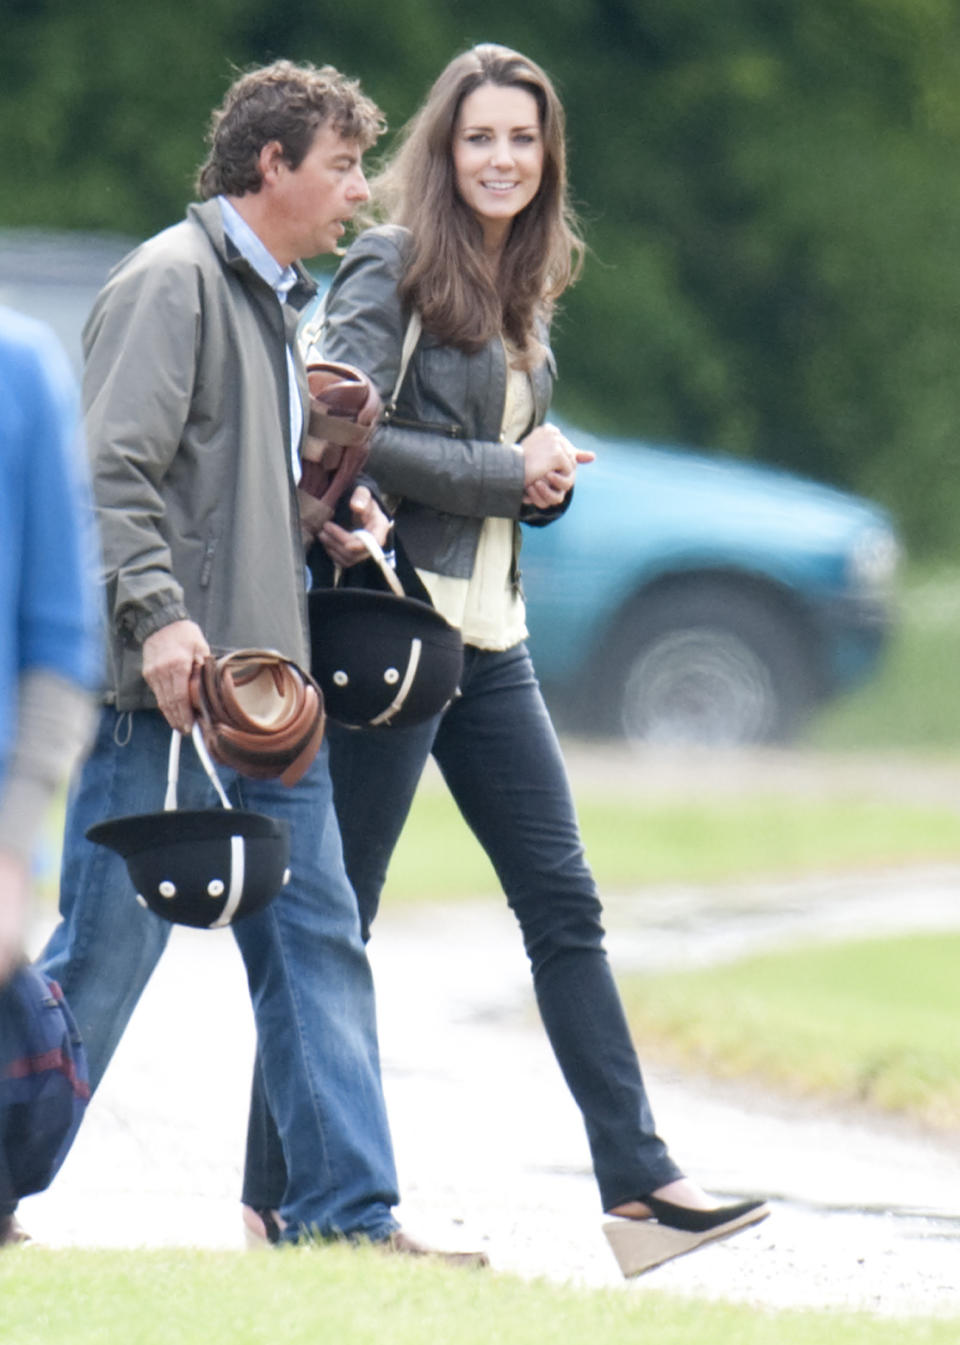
692	772
491	1149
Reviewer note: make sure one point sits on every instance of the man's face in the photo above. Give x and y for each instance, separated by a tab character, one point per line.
314	202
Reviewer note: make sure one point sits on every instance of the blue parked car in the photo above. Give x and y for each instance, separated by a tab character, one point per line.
693	598
682	597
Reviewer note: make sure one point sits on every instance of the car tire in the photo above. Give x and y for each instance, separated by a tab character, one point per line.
709	663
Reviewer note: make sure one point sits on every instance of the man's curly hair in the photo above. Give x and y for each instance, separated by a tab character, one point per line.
283	102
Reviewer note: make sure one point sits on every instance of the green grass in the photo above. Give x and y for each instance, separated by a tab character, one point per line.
333	1295
634	842
873	1021
914	702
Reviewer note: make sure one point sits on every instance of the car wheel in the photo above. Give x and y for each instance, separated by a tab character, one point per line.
710	665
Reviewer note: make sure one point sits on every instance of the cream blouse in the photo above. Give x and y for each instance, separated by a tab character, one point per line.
488	608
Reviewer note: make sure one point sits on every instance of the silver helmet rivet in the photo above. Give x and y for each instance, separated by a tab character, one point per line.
340	678
391	677
167	889
215	888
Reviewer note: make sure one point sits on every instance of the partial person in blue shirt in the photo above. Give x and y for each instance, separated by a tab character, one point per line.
50	664
50	644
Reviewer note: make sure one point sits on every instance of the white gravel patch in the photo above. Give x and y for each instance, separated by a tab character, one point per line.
490	1148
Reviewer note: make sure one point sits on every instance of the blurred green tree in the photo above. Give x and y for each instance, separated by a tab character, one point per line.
769	190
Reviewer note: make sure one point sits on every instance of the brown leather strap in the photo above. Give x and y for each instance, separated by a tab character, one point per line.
258	713
330	428
344	410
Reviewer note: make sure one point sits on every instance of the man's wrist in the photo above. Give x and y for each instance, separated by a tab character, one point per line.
139	625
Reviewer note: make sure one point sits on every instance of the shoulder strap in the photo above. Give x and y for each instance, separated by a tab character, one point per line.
410	338
310	334
310	339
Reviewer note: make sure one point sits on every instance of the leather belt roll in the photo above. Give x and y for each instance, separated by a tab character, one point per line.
344	410
259	713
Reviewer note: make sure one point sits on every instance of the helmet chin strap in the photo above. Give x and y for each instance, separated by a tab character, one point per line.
173	768
237	854
396	705
237	876
376	551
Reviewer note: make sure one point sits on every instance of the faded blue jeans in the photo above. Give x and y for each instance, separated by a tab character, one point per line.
306	966
499	755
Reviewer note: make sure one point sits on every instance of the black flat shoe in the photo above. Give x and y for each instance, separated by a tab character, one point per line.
705	1221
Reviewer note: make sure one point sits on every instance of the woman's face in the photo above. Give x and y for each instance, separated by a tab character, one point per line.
498	156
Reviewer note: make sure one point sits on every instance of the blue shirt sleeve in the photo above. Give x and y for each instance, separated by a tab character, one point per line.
49	603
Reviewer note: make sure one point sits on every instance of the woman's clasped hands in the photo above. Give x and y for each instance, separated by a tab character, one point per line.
550	466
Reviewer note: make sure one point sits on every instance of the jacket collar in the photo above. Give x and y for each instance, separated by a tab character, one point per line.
209	217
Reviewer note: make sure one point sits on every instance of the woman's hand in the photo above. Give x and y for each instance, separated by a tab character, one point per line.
169	657
550	491
340	544
550	466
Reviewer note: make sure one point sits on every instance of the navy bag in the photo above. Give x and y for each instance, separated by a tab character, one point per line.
44	1084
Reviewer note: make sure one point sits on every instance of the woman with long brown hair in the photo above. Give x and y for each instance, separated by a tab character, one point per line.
479	246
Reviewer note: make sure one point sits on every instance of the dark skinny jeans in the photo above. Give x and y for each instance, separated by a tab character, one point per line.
498	753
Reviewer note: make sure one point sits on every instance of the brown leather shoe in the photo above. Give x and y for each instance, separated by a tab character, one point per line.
403	1244
12	1234
263	1228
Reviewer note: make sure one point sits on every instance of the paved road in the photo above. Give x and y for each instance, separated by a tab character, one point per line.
490	1148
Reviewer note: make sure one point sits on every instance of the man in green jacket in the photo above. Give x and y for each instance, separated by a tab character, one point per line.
195	408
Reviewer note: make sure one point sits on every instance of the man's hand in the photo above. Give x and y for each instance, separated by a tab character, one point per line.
169	656
340	545
14	888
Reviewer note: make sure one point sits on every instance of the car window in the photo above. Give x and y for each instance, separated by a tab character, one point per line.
55	277
64	307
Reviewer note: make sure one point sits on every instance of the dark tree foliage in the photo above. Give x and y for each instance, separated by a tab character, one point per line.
770	191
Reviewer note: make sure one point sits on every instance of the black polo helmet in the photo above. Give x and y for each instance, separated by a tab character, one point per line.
205	868
382	658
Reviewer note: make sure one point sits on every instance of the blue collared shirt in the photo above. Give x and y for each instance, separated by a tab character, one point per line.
281	280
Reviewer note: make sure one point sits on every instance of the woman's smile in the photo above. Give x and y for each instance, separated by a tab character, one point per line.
498	156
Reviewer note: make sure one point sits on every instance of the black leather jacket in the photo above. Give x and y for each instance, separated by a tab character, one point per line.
442	452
